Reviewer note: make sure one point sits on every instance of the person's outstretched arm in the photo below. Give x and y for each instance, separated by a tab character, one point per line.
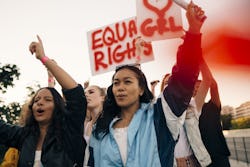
62	77
153	85
214	92
204	86
51	79
76	105
185	73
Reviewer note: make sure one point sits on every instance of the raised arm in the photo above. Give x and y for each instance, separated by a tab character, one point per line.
51	79
208	81
184	74
153	85
204	86
62	77
214	93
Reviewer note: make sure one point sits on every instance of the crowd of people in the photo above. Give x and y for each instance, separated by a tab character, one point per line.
125	124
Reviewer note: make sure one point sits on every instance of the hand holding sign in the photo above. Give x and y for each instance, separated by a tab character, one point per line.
194	21
114	44
184	5
158	20
139	45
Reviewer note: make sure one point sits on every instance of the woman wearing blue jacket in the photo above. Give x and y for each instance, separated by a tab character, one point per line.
132	131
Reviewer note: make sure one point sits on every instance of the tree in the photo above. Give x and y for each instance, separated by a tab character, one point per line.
32	89
10	113
8	73
241	123
226	121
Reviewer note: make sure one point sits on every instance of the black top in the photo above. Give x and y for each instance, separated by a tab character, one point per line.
211	130
65	152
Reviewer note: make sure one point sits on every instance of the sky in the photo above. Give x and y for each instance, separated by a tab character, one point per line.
63	27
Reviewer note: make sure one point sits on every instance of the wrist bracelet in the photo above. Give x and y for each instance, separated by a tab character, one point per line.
51	80
44	59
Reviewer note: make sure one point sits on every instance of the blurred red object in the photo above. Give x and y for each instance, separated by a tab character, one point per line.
227	49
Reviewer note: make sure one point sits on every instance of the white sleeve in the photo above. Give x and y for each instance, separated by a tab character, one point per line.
173	122
193	108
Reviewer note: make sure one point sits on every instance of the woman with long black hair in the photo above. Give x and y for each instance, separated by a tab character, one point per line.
132	131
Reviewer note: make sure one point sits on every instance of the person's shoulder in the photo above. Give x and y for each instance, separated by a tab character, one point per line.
210	106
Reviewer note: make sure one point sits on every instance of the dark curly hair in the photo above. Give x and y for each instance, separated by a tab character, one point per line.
111	109
58	116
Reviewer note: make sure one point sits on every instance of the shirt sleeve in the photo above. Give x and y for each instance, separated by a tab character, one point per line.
174	123
184	74
76	105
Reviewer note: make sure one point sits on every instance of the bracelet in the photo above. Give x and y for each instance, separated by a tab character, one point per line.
51	80
44	59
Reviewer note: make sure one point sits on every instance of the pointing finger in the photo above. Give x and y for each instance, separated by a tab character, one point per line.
39	39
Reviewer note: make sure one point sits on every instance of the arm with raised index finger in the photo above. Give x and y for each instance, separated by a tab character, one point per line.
62	77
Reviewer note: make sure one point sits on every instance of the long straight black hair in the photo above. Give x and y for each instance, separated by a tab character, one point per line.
110	107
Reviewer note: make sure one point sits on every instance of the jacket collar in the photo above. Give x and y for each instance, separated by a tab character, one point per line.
134	124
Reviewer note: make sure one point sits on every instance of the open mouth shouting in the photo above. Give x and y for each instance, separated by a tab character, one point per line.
40	111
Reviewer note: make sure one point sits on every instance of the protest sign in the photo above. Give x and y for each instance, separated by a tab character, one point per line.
158	19
114	44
